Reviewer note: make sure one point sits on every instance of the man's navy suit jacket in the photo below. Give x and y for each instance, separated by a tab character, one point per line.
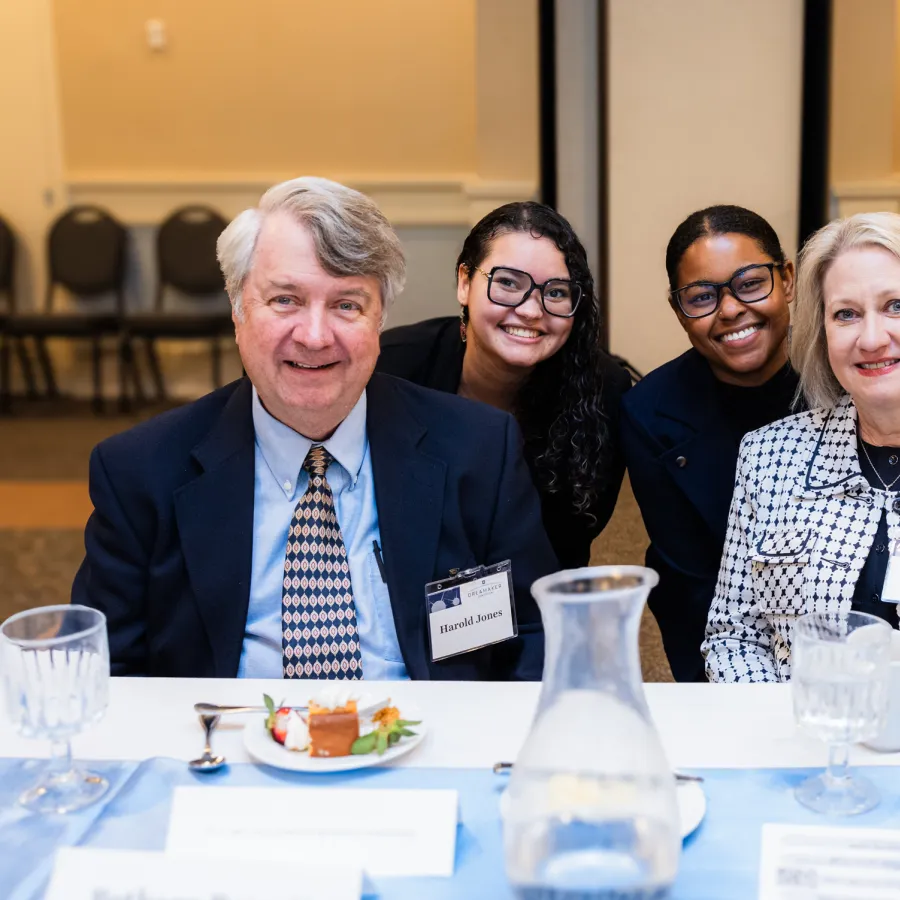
169	544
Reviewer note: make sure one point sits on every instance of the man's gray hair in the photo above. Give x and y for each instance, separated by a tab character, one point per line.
350	233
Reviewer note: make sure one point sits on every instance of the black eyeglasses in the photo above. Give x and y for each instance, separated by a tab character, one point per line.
510	287
749	285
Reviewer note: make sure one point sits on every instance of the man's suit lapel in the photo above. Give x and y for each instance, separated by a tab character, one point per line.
215	522
409	491
706	446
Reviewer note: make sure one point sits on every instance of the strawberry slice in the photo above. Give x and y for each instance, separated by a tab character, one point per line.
277	719
280	724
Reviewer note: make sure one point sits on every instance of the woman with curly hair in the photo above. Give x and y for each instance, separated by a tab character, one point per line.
730	285
527	341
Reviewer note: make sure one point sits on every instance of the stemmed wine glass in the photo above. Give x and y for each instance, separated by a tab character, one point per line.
54	665
839	670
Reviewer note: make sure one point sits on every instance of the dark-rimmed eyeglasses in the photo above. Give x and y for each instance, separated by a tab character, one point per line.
511	287
749	285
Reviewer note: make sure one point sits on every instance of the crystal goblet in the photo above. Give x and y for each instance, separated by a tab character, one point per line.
54	665
839	670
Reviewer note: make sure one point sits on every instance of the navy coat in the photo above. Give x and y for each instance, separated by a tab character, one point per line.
681	454
168	546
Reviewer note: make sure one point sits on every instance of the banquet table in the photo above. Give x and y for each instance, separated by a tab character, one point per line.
741	738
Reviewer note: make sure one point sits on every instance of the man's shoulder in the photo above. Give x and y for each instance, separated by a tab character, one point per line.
443	411
170	435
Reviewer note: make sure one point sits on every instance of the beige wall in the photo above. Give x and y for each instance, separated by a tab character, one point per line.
863	77
507	90
362	91
686	82
276	86
30	165
430	108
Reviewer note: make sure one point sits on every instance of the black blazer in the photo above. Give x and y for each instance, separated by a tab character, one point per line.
431	353
681	457
168	546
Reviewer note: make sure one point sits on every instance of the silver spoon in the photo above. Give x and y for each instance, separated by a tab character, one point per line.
214	709
208	762
501	767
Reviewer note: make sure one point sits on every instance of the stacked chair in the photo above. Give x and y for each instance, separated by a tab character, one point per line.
87	256
7	310
186	262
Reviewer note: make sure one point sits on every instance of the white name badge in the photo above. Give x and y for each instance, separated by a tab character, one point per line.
816	862
890	593
470	610
88	873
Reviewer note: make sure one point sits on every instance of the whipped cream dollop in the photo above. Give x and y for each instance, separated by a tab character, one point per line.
297	734
333	697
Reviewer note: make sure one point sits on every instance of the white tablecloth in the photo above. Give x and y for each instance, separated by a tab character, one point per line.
470	724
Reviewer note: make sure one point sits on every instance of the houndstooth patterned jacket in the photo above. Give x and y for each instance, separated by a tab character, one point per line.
802	521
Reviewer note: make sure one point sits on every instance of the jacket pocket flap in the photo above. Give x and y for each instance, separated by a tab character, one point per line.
784	547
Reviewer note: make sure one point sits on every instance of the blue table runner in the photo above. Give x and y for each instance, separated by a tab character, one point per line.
720	861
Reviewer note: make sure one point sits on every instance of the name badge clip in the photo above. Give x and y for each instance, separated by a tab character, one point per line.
890	593
470	609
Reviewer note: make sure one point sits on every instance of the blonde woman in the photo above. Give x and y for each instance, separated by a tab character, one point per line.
816	505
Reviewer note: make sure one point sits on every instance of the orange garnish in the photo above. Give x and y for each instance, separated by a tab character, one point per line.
386	716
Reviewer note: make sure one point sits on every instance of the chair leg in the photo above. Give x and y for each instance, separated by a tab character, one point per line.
124	365
5	387
155	369
133	369
40	347
25	365
216	353
97	366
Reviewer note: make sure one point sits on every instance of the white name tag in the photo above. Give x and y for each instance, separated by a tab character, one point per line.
890	593
86	873
384	832
818	862
471	609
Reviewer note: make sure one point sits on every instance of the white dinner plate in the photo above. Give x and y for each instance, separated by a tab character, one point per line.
260	745
691	806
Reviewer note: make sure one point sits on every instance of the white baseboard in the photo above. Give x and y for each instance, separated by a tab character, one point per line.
849	198
446	200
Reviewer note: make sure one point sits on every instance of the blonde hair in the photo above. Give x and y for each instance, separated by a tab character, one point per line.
808	346
350	233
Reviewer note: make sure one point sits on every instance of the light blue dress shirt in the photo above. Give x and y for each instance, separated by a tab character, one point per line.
280	482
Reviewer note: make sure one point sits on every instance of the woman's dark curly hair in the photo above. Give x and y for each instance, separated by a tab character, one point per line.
560	407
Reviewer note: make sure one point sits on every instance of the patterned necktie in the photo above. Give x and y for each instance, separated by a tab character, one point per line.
319	637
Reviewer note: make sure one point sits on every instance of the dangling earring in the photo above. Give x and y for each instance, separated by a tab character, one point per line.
463	322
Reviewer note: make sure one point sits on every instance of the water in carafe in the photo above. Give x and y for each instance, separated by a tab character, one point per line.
590	812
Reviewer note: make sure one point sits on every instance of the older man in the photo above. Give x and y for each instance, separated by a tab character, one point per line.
287	524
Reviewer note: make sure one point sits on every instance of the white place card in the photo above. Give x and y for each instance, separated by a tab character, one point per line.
383	832
85	873
824	863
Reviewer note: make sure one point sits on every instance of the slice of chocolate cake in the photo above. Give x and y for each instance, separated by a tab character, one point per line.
332	731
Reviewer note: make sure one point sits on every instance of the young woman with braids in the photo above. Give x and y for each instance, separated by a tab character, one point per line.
527	341
730	285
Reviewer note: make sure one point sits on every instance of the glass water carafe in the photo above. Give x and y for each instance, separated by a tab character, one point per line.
590	811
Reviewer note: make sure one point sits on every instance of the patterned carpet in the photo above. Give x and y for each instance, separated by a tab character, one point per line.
44	452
